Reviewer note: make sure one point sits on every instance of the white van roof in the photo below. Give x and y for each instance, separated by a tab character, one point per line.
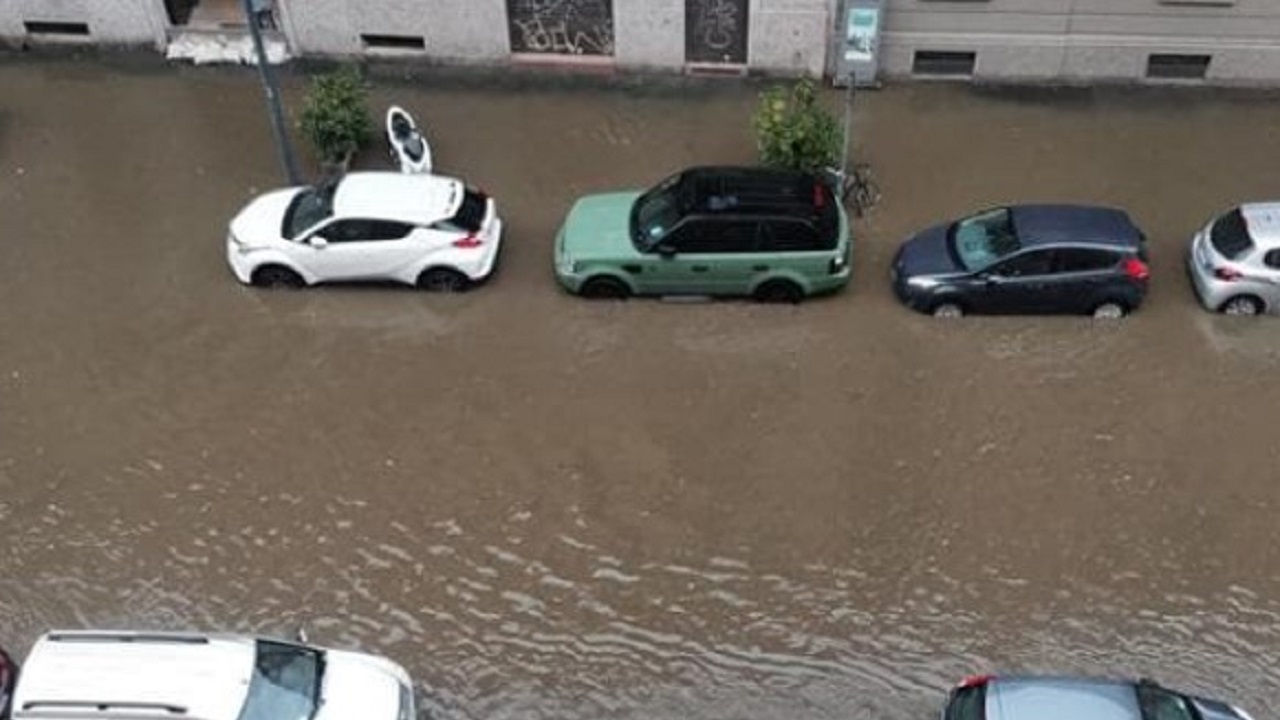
134	675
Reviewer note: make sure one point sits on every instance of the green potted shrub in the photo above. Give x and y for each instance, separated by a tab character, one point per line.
794	131
335	117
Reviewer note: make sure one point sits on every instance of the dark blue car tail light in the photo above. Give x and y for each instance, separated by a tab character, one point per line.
1135	269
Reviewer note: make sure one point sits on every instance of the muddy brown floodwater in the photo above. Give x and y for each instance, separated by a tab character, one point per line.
547	508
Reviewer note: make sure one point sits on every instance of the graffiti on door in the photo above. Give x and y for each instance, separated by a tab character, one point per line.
715	31
567	27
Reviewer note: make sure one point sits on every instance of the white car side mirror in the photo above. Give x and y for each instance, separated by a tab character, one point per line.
317	242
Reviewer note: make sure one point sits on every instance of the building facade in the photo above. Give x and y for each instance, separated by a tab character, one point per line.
1213	41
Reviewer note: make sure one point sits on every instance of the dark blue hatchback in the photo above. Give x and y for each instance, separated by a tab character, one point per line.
1042	259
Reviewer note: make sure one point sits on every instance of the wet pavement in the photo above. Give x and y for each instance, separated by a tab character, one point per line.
547	508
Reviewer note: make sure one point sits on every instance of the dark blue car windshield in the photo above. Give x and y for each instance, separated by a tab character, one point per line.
984	239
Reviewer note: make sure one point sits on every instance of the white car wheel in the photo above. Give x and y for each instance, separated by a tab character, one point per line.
443	280
277	276
1241	305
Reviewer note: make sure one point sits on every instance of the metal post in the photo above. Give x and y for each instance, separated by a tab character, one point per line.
272	92
848	125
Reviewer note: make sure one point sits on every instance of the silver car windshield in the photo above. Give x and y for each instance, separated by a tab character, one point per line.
285	683
1158	703
985	238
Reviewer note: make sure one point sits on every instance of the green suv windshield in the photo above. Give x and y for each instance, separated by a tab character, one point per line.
656	212
285	684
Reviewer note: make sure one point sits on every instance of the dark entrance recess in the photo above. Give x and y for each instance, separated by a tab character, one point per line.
715	31
180	10
561	27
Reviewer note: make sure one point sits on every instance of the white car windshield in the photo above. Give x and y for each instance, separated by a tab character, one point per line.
308	208
983	239
285	683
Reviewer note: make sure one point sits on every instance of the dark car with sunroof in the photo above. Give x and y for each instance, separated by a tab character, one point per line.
1034	697
1037	259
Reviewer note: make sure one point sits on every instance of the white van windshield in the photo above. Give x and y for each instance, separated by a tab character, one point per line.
285	683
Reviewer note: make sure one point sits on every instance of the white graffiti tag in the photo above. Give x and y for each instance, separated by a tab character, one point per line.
575	27
717	24
540	36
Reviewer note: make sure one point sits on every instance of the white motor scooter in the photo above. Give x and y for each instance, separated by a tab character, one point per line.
409	148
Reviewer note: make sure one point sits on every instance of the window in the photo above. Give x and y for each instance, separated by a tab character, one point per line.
1160	704
56	28
470	215
307	209
1178	67
943	62
1272	259
364	231
285	684
657	211
716	236
1230	235
1036	262
1072	260
1199	3
984	238
387	230
784	235
969	703
393	42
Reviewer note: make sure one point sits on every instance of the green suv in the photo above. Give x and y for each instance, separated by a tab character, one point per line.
774	235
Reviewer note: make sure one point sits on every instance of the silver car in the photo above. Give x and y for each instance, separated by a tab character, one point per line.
986	697
1234	261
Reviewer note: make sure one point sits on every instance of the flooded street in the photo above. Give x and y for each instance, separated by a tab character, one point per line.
549	508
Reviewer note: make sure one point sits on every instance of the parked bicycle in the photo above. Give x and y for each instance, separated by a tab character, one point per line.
857	189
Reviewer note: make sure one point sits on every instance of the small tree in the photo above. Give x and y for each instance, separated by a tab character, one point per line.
793	131
335	116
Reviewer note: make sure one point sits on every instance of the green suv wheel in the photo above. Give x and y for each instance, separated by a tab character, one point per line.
779	291
604	288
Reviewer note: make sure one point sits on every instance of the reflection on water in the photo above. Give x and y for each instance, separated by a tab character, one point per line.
586	629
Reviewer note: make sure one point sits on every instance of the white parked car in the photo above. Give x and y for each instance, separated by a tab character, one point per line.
112	675
424	230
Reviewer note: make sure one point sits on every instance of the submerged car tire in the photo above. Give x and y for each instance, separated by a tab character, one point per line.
947	309
603	287
1109	310
277	277
442	280
779	292
1241	305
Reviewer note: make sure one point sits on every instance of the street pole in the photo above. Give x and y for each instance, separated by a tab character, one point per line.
848	124
272	92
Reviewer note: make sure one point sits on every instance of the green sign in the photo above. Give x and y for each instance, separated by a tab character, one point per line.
860	39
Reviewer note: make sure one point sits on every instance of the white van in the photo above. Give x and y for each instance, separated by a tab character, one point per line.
113	675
